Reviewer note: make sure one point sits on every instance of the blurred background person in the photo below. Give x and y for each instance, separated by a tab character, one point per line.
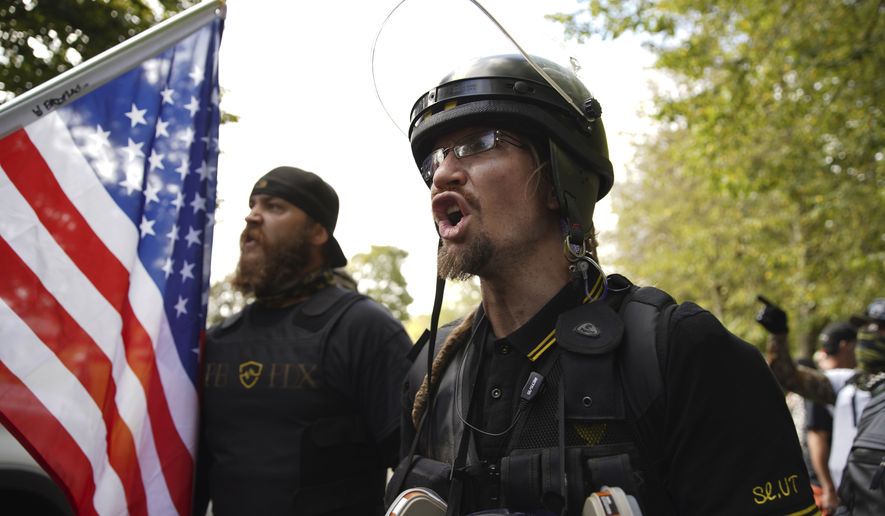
837	343
848	390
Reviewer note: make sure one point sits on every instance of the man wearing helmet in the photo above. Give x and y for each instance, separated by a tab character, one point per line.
564	380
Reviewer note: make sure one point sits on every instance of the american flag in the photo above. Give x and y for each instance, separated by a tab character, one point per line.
106	215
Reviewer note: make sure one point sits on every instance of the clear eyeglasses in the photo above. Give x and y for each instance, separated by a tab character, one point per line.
469	145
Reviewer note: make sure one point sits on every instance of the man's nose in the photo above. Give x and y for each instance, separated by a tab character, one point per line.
449	173
254	215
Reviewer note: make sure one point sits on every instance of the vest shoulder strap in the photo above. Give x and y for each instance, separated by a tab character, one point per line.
415	375
329	298
646	313
336	305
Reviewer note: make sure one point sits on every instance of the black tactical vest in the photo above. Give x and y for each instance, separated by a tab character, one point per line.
279	434
596	421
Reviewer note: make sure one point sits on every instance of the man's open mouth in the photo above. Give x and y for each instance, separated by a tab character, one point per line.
250	238
449	208
454	215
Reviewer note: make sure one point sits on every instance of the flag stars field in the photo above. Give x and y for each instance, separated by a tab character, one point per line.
197	75
161	129
134	175
105	168
133	149
181	306
136	116
199	203
154	70
173	234
156	160
187	137
210	142
204	170
146	227
187	271
178	202
183	168
168	95
193	236
150	193
167	267
193	106
101	137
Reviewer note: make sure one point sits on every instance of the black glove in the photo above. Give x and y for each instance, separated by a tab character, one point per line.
771	317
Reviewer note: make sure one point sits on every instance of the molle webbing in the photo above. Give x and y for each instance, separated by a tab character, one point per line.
613	439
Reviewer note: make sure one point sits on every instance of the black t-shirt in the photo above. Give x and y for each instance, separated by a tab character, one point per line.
284	415
730	446
817	418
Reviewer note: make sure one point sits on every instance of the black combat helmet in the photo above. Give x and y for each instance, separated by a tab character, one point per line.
506	92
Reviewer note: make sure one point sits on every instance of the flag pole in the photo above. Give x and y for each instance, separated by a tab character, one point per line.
98	70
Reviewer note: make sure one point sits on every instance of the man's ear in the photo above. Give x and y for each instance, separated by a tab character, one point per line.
319	235
552	201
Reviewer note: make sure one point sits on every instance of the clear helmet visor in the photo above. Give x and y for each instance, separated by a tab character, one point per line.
423	41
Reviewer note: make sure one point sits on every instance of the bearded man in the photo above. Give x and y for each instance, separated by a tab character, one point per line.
301	389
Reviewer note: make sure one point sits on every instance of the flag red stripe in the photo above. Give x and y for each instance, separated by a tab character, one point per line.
31	175
26	415
54	326
175	459
27	169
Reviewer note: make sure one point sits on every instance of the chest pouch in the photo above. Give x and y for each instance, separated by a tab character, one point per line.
589	336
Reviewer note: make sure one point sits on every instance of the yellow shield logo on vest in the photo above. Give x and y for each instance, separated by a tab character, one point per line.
249	373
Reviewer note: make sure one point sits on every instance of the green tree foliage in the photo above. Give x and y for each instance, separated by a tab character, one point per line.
42	38
461	298
768	173
673	231
378	275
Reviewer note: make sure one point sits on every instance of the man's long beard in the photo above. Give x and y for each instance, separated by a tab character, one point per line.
278	266
471	260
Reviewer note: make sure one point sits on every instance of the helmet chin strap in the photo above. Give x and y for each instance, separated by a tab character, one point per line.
574	247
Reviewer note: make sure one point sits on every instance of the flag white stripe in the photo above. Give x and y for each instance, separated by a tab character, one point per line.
101	321
181	396
52	383
184	402
77	179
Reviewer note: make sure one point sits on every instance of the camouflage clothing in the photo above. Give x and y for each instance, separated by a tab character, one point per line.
809	383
